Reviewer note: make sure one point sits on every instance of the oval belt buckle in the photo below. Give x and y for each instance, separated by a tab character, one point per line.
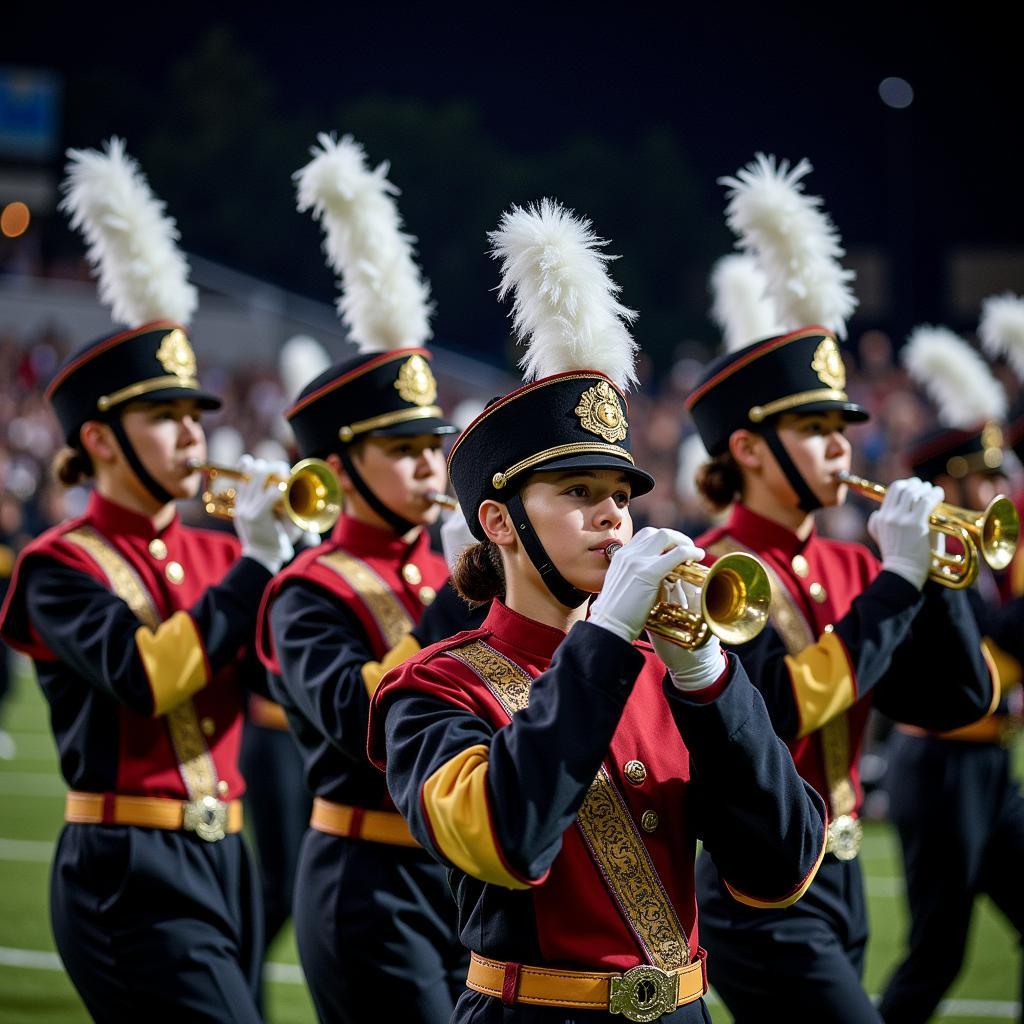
207	817
844	837
643	993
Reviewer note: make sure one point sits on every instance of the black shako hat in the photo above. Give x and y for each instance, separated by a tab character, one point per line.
801	371
569	420
958	451
151	363
389	393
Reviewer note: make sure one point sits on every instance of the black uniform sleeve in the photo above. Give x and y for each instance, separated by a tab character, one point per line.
96	634
447	615
763	825
322	648
495	803
1003	623
939	679
805	691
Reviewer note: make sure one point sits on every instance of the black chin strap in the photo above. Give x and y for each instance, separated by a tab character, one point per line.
398	523
135	462
560	587
806	498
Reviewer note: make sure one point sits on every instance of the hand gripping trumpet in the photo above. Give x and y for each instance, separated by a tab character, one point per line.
735	596
310	494
993	532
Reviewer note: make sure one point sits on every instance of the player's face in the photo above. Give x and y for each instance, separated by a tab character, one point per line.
401	471
167	436
819	448
576	514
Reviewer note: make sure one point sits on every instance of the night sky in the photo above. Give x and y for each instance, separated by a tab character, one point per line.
724	80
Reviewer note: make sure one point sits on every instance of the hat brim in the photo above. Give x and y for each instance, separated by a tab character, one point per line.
852	412
413	428
205	399
641	481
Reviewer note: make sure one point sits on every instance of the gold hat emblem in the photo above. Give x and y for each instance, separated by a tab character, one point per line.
415	382
600	413
828	365
175	355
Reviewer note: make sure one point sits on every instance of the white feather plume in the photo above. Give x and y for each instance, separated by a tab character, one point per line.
794	242
384	302
132	243
954	376
301	359
565	307
690	457
741	306
1002	329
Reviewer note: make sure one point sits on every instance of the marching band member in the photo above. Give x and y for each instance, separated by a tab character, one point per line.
374	920
138	628
953	798
559	768
845	633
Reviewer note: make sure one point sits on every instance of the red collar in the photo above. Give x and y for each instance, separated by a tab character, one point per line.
114	520
363	539
761	534
528	635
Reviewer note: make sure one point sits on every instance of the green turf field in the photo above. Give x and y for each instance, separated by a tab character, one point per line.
33	987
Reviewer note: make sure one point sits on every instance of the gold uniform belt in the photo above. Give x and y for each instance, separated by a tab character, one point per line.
357	823
644	993
995	729
211	819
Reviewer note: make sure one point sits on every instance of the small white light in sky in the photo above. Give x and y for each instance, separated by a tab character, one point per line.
896	93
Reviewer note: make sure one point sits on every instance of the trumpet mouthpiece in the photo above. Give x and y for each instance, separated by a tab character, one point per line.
442	499
610	550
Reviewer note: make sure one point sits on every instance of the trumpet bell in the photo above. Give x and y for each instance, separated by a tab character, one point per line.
999	532
312	498
735	599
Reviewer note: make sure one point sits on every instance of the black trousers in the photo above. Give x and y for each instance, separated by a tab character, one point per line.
156	926
277	806
960	818
376	930
808	958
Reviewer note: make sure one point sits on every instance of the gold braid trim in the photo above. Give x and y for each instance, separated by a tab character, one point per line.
195	764
387	611
607	827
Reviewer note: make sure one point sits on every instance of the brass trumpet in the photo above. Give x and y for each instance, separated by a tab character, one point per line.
993	532
310	494
735	597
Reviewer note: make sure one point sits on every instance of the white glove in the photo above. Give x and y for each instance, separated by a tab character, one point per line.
900	528
265	536
689	669
455	536
634	578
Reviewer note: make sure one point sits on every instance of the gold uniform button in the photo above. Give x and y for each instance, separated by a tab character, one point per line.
818	593
411	574
635	772
174	572
208	726
158	549
222	788
427	595
649	821
800	566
